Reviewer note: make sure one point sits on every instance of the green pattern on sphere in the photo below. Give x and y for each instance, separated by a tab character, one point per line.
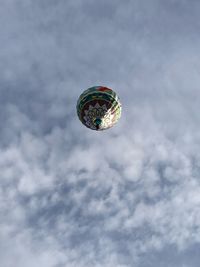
98	108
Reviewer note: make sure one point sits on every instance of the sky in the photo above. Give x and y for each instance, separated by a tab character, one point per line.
128	196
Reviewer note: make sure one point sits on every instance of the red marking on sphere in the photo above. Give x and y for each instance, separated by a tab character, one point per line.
104	89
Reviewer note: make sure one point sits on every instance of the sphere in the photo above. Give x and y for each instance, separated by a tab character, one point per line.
98	108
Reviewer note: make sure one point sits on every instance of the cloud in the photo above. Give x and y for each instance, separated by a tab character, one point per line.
124	197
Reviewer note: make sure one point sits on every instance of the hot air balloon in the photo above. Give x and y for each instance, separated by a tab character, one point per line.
98	108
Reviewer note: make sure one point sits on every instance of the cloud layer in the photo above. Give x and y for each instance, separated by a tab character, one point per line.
125	197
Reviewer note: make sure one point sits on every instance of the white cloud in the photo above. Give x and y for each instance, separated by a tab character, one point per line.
73	197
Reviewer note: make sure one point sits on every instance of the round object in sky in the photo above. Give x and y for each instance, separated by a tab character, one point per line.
98	108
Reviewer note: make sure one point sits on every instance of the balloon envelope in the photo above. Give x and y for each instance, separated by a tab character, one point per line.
98	108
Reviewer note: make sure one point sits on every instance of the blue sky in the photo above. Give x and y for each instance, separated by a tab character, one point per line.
128	196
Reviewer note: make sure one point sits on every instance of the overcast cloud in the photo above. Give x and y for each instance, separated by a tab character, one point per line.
129	196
